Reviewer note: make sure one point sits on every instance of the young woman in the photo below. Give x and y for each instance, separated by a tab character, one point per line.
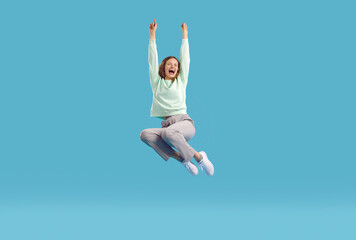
168	83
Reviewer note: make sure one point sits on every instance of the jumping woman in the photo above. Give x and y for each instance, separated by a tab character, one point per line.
169	82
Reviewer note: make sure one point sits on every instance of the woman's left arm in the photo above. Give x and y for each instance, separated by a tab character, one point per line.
184	55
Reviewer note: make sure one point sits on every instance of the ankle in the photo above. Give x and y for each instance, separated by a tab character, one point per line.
198	157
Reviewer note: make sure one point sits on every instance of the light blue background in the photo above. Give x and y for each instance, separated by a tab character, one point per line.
271	90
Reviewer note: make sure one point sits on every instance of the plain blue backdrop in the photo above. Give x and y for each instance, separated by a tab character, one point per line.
271	90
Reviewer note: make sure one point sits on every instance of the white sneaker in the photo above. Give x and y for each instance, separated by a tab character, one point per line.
206	165
190	167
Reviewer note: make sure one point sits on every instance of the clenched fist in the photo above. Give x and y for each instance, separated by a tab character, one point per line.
153	27
184	28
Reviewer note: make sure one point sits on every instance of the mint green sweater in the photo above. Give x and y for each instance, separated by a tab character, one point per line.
168	98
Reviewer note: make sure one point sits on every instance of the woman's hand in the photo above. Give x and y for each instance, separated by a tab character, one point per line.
185	30
153	27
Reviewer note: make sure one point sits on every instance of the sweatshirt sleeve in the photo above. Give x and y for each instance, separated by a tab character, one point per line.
153	63
184	60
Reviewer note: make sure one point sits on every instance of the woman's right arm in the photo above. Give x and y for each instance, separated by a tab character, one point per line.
153	56
184	55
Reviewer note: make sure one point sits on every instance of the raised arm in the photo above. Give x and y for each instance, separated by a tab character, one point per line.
153	56
184	55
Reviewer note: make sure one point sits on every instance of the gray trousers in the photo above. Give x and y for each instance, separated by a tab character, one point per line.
176	131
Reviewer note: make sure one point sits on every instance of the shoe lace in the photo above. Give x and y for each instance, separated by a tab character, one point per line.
186	165
202	165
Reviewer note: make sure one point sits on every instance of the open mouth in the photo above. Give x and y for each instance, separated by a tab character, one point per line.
171	72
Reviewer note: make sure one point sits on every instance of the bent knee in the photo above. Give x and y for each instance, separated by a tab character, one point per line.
144	135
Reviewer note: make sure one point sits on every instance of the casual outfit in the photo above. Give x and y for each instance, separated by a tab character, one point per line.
169	104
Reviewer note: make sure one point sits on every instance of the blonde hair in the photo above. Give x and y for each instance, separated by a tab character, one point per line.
162	72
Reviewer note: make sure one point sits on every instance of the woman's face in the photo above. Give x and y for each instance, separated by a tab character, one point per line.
171	69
